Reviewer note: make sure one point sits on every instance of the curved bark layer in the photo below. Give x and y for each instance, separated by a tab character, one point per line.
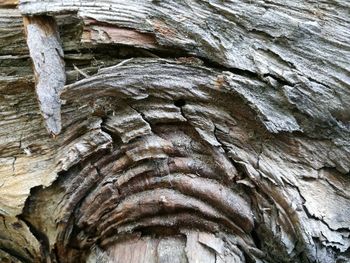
206	131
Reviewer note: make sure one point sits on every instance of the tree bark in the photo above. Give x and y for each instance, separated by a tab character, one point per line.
174	131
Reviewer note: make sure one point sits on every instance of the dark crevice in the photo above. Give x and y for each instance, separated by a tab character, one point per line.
201	222
319	219
103	56
246	253
237	71
158	231
141	114
116	139
240	170
41	237
15	254
55	255
180	103
281	81
256	238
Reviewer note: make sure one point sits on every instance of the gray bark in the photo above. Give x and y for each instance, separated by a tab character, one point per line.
179	131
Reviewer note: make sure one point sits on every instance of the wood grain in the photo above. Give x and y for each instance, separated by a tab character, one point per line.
189	131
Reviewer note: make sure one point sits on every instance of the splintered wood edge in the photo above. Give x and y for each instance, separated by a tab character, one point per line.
103	33
8	3
47	56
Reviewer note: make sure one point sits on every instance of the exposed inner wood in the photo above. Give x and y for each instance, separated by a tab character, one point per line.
103	33
8	3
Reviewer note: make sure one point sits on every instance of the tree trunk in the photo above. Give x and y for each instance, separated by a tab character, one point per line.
174	131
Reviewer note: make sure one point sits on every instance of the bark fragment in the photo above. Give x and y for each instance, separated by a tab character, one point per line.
47	56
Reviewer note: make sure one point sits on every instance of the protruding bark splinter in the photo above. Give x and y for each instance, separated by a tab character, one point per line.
47	56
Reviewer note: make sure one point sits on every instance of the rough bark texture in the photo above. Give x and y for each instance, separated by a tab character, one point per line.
183	131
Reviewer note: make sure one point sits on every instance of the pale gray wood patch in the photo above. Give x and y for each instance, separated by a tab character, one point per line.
47	55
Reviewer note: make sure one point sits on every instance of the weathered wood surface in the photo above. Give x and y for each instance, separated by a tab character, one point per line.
192	131
50	76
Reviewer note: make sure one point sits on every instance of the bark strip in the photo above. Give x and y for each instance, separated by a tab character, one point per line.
47	56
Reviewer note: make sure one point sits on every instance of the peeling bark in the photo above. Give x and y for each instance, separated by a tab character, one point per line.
46	52
195	131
